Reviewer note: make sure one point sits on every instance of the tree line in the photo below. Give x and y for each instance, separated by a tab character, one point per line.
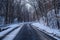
15	9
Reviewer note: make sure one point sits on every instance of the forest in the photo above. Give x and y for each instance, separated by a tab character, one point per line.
12	11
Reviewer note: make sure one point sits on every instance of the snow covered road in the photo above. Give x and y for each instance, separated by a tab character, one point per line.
19	30
29	33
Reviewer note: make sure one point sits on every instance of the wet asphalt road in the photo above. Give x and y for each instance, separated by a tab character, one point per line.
27	32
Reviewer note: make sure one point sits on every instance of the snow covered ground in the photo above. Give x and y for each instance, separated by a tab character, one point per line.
39	25
13	34
12	26
47	29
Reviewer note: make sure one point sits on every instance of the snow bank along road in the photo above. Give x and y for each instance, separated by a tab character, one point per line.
11	33
28	32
